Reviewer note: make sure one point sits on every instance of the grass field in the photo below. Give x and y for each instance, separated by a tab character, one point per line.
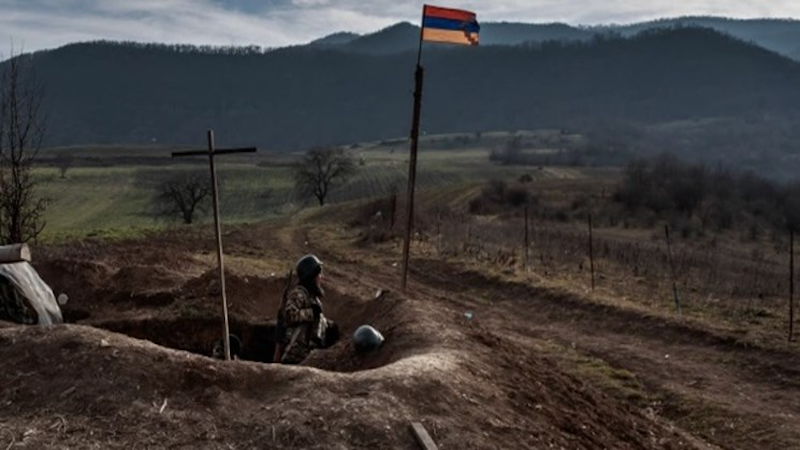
108	190
118	200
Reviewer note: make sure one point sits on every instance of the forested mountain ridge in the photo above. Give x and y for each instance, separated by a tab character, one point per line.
293	98
779	35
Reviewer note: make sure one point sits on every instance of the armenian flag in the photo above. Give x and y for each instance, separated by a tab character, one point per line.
455	26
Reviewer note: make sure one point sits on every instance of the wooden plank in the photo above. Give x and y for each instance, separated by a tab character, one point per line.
423	438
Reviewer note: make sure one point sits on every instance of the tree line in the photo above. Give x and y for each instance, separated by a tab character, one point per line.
715	197
135	94
693	198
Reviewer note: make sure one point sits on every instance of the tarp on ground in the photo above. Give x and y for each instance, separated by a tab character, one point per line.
25	297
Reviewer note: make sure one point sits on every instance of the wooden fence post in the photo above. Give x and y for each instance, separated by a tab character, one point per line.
672	270
527	242
439	231
591	251
393	201
791	284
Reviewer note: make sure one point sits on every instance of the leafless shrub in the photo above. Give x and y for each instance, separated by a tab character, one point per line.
22	128
183	196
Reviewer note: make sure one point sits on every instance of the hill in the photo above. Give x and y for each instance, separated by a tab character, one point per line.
398	38
340	38
302	96
404	37
777	35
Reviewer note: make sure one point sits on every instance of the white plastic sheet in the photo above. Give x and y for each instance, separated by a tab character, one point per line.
38	294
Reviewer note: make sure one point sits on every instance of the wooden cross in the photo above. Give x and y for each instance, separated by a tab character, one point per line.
211	152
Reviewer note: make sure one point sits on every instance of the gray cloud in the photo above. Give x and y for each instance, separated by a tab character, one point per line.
38	24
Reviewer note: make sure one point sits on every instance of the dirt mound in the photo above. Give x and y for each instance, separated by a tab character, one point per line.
247	296
138	278
482	380
75	276
395	318
74	385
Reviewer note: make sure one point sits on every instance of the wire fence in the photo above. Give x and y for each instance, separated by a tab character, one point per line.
716	272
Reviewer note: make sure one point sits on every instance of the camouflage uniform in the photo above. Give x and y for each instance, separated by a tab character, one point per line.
305	324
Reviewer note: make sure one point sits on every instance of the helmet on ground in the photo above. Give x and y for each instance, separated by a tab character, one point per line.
308	267
218	351
366	339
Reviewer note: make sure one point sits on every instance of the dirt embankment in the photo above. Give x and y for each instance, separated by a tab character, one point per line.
82	385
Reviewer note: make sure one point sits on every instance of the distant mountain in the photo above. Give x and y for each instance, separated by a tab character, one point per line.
401	37
506	33
293	98
794	53
780	36
405	36
340	38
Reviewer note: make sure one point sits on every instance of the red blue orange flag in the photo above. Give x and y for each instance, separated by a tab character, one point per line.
455	26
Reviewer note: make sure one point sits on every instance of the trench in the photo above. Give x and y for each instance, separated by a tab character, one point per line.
188	318
199	335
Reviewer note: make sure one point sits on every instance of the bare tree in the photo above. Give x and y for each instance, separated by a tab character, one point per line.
322	169
183	195
63	162
22	128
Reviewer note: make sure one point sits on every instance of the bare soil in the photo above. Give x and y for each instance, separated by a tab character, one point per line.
480	361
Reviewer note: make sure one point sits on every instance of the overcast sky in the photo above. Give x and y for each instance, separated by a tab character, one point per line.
40	24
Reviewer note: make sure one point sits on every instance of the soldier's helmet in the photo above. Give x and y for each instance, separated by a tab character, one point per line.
218	351
308	267
367	339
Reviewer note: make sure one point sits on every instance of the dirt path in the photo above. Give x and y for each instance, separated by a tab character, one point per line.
732	394
724	391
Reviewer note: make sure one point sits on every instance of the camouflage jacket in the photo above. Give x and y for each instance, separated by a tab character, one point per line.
305	326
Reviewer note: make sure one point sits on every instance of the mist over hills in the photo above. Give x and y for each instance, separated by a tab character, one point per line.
734	98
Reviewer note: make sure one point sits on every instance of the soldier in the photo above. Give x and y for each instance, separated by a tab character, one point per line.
302	326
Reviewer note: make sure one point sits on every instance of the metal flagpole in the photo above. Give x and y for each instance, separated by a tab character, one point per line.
412	161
